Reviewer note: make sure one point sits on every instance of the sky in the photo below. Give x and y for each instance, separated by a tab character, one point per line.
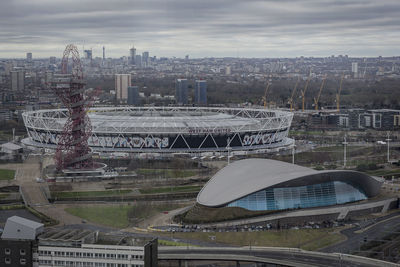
201	28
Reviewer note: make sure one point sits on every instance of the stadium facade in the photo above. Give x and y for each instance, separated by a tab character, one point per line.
168	129
264	184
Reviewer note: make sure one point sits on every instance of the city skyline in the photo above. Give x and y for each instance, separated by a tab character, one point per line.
201	29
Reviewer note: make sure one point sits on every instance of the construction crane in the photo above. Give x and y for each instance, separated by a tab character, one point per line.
338	94
265	95
316	99
303	92
292	95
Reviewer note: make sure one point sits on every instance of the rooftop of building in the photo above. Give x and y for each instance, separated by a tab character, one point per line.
76	237
247	176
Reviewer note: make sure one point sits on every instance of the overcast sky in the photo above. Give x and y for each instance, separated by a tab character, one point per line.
201	28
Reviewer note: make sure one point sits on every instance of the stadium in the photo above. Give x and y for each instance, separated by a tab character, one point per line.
168	129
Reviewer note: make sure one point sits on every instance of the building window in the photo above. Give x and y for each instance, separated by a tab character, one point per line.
7	251
22	261
22	252
7	260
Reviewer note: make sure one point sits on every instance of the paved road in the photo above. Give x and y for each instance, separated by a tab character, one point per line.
25	177
293	256
355	237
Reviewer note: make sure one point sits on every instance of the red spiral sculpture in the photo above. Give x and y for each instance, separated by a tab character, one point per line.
73	151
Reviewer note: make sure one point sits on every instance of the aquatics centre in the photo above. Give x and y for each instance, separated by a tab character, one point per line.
168	129
264	184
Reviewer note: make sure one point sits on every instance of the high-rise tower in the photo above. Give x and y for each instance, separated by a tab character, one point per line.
132	55
181	91
122	82
200	92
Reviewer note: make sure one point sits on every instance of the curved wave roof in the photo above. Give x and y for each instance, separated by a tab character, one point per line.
244	177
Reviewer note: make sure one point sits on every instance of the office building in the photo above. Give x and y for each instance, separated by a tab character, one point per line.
71	247
145	59
200	92
17	242
52	60
132	55
25	243
138	60
181	91
17	80
133	95
122	82
88	54
29	57
354	69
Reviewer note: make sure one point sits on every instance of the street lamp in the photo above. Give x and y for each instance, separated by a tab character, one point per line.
293	150
388	147
345	143
228	147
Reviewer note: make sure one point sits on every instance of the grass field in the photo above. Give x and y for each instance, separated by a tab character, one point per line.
162	242
382	172
309	239
77	194
115	216
157	190
167	173
4	195
119	216
7	174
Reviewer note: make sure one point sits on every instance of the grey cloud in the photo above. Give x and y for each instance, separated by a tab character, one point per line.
203	28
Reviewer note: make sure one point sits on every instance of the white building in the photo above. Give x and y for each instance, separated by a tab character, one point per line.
354	69
91	255
122	82
84	248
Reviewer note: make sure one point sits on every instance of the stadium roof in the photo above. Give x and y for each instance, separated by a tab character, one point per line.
244	177
164	119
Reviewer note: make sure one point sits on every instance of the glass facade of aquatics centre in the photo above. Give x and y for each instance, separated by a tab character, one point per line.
308	196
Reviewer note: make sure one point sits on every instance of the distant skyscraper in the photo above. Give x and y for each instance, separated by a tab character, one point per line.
200	92
133	95
354	69
138	60
132	55
29	57
52	60
17	80
181	91
122	82
104	53
145	59
88	54
228	70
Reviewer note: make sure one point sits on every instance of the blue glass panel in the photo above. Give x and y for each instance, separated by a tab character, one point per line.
325	194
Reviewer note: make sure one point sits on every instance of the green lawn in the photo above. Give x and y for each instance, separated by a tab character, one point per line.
7	174
309	239
119	216
75	194
157	190
4	195
382	172
115	216
167	173
162	242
